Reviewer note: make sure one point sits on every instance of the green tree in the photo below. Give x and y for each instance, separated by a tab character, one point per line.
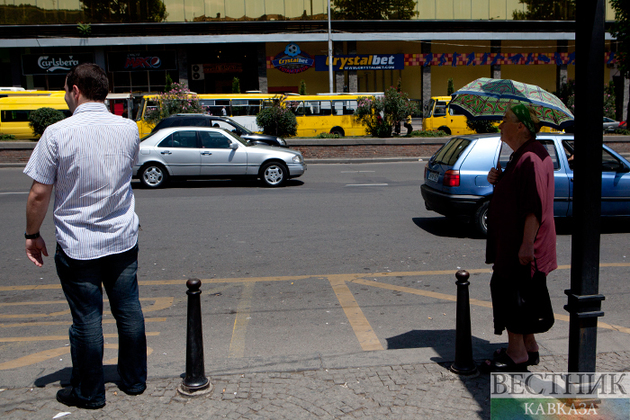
546	10
41	118
277	120
450	88
380	114
302	90
178	100
236	85
124	10
168	83
621	31
373	10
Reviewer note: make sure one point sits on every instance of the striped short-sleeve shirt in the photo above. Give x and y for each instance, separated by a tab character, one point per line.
89	158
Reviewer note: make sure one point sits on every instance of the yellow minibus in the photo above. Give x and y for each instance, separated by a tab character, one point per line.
332	114
15	110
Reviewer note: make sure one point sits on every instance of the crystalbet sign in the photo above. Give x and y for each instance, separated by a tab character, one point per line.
548	395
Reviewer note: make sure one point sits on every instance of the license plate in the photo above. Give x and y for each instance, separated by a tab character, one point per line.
433	176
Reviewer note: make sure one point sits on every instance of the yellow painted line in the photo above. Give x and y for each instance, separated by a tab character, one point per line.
293	278
476	302
243	315
362	328
158	304
57	337
427	293
41	356
53	323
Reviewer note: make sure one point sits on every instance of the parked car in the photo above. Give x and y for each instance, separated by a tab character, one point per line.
455	183
226	123
610	125
203	152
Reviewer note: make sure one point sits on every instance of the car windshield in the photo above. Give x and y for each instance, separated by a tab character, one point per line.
240	127
238	138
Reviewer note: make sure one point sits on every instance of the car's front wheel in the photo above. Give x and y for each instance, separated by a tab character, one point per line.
481	218
274	174
153	175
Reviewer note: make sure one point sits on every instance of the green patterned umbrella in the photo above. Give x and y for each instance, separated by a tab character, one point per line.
487	98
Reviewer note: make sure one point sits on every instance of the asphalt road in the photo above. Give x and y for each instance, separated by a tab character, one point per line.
343	267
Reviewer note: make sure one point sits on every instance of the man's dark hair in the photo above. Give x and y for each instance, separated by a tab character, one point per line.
91	80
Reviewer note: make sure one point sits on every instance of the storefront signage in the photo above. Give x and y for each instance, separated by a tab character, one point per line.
361	62
33	64
492	59
142	61
292	60
223	68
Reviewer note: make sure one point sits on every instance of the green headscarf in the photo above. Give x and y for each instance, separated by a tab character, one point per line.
522	113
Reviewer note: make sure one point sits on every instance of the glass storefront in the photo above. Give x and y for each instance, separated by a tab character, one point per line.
28	12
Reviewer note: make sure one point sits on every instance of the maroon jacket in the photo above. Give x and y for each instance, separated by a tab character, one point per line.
526	186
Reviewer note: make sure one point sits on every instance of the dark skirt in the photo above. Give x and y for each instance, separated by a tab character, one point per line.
505	301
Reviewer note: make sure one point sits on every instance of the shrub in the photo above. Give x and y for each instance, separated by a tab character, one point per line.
428	133
380	114
482	126
277	120
7	136
327	136
178	100
236	85
41	118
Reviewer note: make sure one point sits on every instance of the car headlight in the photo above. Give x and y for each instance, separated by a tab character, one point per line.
281	141
297	159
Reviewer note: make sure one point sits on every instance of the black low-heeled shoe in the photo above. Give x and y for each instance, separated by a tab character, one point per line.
503	363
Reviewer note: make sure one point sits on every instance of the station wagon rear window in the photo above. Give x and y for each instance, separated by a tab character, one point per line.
450	152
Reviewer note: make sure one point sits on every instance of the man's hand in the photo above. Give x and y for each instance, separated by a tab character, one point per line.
35	248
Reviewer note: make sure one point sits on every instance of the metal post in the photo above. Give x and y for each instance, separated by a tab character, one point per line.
464	363
584	301
195	382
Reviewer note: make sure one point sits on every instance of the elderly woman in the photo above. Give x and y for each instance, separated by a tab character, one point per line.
521	234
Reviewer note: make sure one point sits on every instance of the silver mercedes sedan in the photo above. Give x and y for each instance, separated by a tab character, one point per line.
204	152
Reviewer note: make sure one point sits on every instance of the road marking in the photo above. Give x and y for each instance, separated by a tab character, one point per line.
57	338
41	356
53	323
362	328
367	185
159	304
475	302
357	172
243	315
14	193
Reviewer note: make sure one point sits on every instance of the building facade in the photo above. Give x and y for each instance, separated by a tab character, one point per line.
274	45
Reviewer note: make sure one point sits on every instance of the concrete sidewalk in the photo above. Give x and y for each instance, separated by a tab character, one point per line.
422	390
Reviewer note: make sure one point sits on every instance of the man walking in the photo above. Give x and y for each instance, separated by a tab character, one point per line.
88	159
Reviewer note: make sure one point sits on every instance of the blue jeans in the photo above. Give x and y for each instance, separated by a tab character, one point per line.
82	282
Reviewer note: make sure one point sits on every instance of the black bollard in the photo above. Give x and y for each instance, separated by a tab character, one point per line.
195	382
464	363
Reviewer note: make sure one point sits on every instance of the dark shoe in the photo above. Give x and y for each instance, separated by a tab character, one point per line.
131	392
533	356
503	363
67	397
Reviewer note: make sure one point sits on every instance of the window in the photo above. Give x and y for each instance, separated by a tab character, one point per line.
450	152
212	140
344	107
181	139
440	109
15	116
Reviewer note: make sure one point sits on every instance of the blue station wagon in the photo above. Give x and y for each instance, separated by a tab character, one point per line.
456	185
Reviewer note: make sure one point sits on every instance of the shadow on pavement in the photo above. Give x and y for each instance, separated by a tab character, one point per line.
63	376
447	227
216	183
443	342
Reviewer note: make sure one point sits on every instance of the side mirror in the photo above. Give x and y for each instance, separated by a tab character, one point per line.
233	146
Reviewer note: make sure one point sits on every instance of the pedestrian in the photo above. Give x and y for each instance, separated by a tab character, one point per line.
408	125
88	160
223	111
521	236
